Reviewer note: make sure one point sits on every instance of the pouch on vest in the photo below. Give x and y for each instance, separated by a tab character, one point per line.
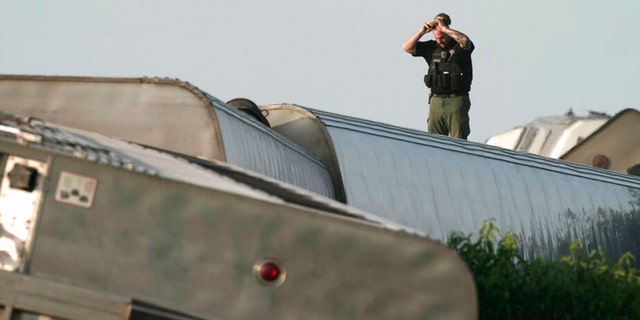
430	79
457	78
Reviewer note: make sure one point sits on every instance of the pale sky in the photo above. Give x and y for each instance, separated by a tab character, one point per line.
532	58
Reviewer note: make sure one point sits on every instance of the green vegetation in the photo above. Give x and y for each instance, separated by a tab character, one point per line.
576	286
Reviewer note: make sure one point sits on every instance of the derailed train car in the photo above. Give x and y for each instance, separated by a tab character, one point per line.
99	228
431	183
439	184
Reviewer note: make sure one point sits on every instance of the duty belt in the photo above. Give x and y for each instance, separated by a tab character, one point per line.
448	95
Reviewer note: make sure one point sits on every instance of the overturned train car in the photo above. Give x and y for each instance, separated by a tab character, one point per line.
431	183
98	228
440	184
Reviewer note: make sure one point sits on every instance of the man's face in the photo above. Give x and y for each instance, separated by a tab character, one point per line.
441	38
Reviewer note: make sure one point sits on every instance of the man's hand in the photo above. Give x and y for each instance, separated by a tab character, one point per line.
438	24
410	45
428	26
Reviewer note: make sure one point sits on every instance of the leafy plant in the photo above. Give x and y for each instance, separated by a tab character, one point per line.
576	286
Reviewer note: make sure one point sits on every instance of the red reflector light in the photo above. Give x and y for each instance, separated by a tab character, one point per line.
600	161
270	272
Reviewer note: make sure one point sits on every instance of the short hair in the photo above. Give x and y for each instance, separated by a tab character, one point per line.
445	18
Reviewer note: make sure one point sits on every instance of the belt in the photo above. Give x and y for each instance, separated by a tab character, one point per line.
448	95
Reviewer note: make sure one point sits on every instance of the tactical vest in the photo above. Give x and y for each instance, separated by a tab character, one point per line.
448	71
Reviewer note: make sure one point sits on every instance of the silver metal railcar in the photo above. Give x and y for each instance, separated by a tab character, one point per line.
439	184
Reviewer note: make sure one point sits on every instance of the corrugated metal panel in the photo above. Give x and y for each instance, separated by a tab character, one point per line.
253	146
439	184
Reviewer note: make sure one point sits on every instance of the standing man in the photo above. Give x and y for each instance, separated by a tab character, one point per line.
449	76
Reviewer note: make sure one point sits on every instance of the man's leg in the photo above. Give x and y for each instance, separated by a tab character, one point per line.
457	110
436	123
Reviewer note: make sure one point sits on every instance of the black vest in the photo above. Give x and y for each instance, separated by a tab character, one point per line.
450	71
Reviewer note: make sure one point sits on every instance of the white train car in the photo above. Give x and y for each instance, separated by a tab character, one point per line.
550	136
596	139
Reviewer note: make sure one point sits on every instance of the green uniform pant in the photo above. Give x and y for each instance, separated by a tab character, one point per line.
449	115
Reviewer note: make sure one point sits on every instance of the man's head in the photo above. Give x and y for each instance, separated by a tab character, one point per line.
444	18
442	38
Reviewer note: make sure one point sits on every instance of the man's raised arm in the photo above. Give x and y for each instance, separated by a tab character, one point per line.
410	45
456	35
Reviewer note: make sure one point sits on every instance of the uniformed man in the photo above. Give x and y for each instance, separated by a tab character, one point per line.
449	75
